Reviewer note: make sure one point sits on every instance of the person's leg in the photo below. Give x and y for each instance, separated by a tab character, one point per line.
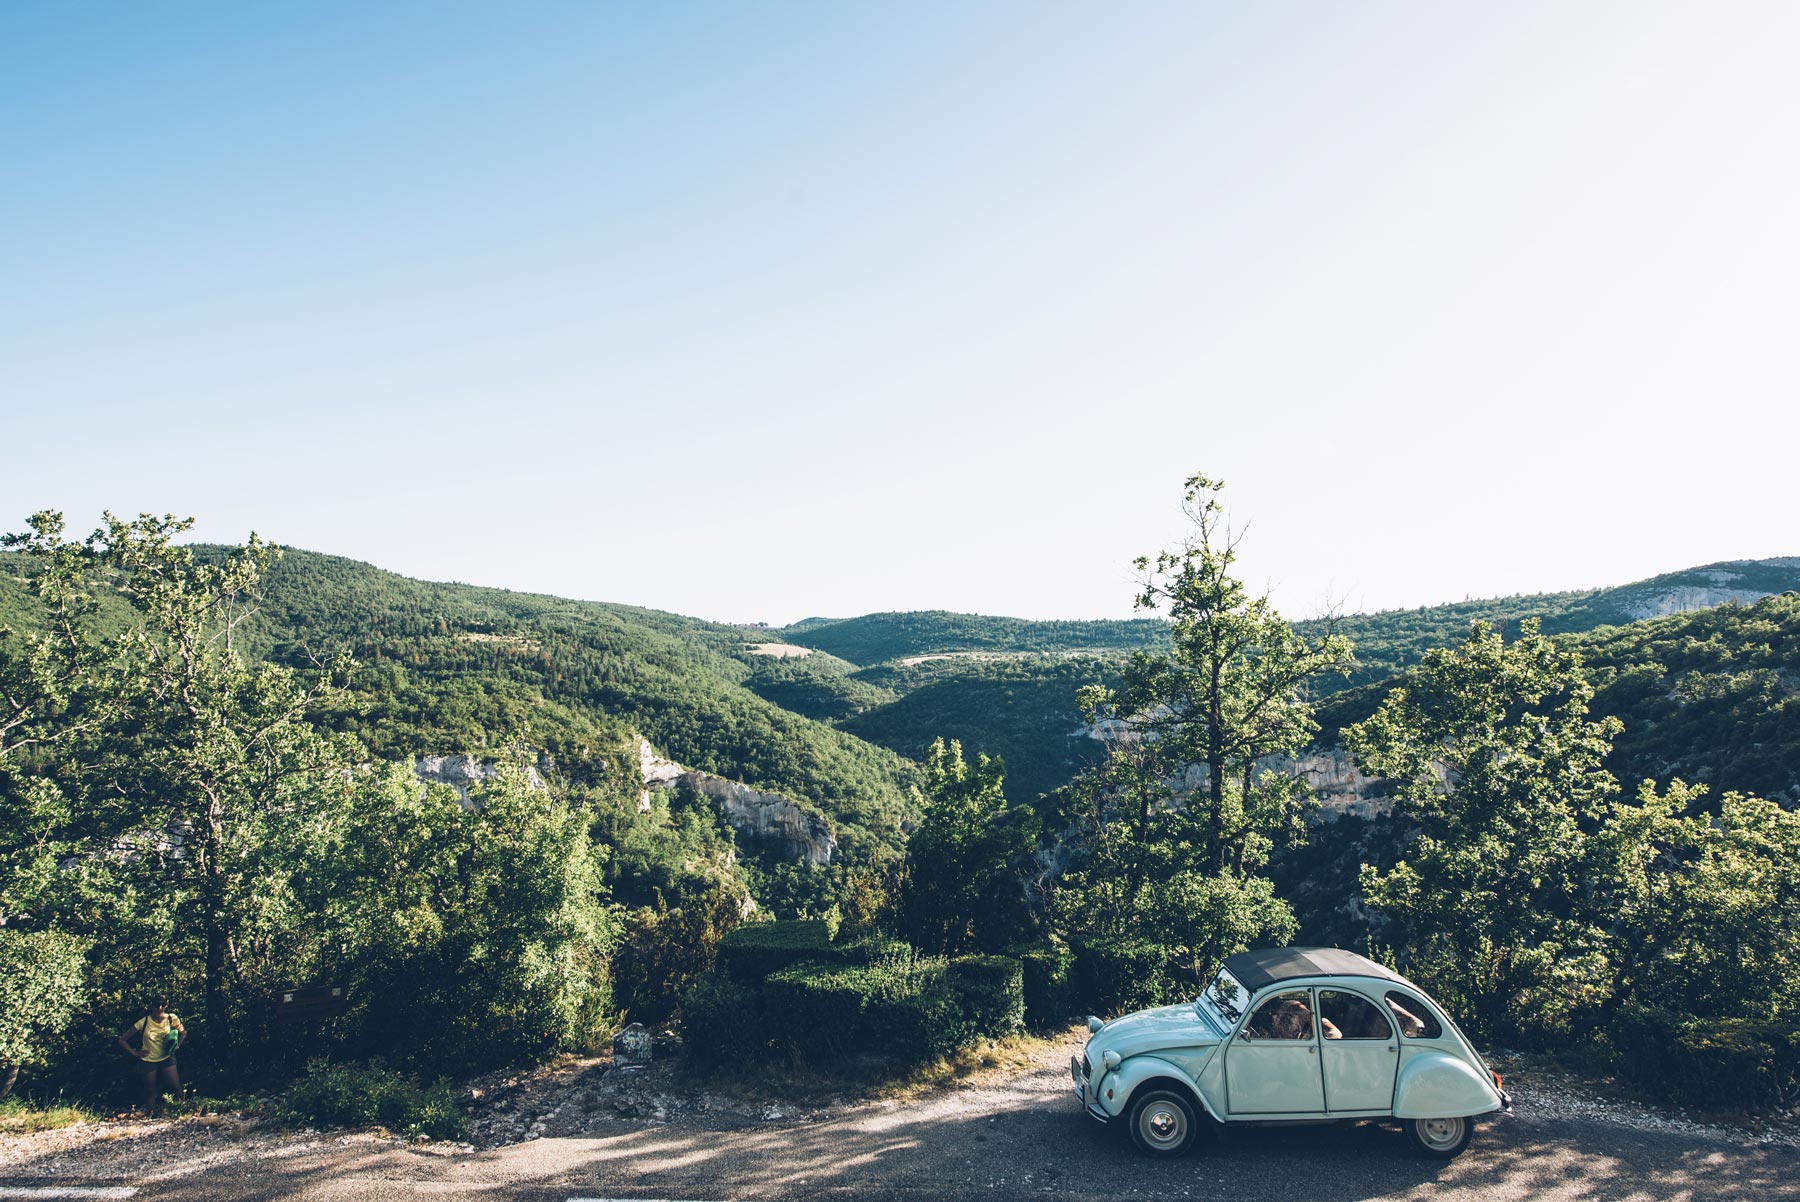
148	1073
171	1081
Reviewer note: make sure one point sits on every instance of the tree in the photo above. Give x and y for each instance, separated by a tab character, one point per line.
1501	769
1188	803
1231	692
964	889
1702	910
219	753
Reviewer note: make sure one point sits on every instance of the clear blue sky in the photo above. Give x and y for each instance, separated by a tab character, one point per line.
760	311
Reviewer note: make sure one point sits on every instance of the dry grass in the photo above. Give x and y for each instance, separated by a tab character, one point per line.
18	1117
1007	1057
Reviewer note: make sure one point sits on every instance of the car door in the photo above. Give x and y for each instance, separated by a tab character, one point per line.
1272	1066
1359	1054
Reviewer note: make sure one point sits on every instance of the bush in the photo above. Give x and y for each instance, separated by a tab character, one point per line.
1048	999
754	952
821	1005
1737	1063
990	994
918	1020
723	1021
1115	976
348	1095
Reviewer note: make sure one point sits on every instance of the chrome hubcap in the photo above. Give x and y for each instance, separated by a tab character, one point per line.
1163	1124
1441	1133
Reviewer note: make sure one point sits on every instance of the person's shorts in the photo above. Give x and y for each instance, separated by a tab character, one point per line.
149	1066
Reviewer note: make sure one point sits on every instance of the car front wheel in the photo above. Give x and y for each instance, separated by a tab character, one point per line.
1439	1138
1163	1122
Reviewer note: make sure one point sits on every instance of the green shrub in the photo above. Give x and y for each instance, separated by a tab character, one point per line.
349	1095
919	1021
723	1022
990	993
1116	976
1738	1063
1048	999
754	952
820	1005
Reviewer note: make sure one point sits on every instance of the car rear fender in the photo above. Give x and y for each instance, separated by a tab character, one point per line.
1140	1071
1437	1085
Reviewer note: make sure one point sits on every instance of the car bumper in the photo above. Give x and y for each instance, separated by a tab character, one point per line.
1081	1086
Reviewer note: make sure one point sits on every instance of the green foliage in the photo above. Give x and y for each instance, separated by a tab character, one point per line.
1735	1063
964	884
990	994
446	665
725	1021
1394	640
43	978
875	999
1181	874
1703	911
817	686
1706	696
1021	710
372	1095
473	936
757	950
1487	899
879	638
1045	985
1113	975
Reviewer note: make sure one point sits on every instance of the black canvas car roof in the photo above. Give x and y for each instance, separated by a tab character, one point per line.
1266	966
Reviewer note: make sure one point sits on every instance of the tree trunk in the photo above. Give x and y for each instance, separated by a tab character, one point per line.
9	1076
218	1015
1217	788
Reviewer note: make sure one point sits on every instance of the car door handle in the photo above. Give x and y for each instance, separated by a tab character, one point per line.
1390	1047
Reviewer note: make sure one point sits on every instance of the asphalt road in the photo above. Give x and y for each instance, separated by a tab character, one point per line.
1017	1138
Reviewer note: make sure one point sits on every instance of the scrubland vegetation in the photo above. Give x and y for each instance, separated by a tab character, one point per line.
207	790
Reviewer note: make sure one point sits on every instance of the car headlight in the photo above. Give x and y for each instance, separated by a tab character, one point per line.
1111	1060
1094	1025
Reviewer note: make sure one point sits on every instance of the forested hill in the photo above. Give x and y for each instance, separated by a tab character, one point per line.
451	668
454	667
1006	686
1391	640
1386	641
885	637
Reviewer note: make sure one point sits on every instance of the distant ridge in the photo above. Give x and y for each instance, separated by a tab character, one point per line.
1386	641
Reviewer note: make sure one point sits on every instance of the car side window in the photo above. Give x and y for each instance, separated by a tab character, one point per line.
1284	1016
1347	1016
1415	1020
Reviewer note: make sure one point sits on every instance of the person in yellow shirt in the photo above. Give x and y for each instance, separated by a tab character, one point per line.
158	1034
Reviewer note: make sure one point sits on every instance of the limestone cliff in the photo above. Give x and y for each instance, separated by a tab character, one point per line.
464	773
798	833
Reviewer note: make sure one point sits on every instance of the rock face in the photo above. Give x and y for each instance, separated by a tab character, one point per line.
465	772
799	834
1681	599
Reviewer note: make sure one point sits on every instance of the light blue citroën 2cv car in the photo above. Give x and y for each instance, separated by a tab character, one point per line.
1289	1035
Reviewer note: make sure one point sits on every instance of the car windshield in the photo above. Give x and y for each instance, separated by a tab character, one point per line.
1225	997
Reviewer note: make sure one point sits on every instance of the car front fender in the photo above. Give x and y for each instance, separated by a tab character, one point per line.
1437	1085
1124	1081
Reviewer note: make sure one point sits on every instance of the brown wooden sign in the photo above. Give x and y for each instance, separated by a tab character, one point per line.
312	1003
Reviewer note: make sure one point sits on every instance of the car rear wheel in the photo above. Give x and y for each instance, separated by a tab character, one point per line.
1439	1139
1163	1122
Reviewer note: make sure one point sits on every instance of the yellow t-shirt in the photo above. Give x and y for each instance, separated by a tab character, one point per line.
155	1035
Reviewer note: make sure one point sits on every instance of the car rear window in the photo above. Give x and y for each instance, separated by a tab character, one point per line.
1414	1019
1352	1017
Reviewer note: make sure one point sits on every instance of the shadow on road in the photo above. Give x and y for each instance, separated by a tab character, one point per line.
1027	1148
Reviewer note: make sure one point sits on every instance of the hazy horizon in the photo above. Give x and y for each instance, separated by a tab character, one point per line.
758	314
